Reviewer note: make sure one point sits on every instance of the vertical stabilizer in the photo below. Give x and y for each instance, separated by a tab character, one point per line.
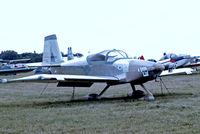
70	55
51	53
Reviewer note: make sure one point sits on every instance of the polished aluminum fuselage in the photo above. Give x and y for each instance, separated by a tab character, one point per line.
126	70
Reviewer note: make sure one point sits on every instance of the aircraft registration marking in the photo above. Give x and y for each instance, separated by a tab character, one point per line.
144	71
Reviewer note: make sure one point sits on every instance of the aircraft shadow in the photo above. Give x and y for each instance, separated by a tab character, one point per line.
69	103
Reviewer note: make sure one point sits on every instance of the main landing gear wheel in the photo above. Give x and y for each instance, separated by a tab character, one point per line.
136	94
97	96
93	97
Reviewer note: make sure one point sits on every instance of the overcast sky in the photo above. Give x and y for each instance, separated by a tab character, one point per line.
139	27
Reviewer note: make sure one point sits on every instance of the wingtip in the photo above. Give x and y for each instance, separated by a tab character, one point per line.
188	72
4	80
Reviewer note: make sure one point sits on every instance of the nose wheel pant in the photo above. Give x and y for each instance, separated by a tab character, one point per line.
138	94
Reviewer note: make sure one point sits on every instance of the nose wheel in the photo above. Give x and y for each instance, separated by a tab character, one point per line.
138	94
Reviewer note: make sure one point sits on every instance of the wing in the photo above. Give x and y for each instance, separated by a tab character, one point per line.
52	78
19	61
14	71
193	65
177	71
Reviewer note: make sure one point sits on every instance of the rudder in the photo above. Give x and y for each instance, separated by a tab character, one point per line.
51	52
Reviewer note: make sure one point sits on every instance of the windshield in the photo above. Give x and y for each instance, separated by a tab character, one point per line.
108	56
115	54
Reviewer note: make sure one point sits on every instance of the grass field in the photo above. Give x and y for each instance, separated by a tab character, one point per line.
24	110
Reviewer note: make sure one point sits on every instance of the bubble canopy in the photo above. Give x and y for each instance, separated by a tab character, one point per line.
107	56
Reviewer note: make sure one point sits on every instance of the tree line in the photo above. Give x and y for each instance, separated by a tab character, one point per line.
34	57
13	55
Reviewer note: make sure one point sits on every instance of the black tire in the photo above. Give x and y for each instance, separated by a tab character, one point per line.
93	97
138	94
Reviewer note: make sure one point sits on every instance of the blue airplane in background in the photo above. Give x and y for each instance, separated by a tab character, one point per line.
11	67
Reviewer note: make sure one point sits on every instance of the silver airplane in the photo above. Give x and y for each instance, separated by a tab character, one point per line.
112	67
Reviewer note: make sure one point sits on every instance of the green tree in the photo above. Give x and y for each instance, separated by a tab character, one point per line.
9	55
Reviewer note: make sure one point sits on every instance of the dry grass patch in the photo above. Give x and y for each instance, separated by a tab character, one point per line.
23	110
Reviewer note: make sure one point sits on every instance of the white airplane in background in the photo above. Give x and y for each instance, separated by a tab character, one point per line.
172	60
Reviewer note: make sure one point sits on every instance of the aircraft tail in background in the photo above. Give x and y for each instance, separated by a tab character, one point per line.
70	55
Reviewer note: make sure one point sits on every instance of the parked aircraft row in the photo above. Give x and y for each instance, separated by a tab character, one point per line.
112	67
172	60
11	67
